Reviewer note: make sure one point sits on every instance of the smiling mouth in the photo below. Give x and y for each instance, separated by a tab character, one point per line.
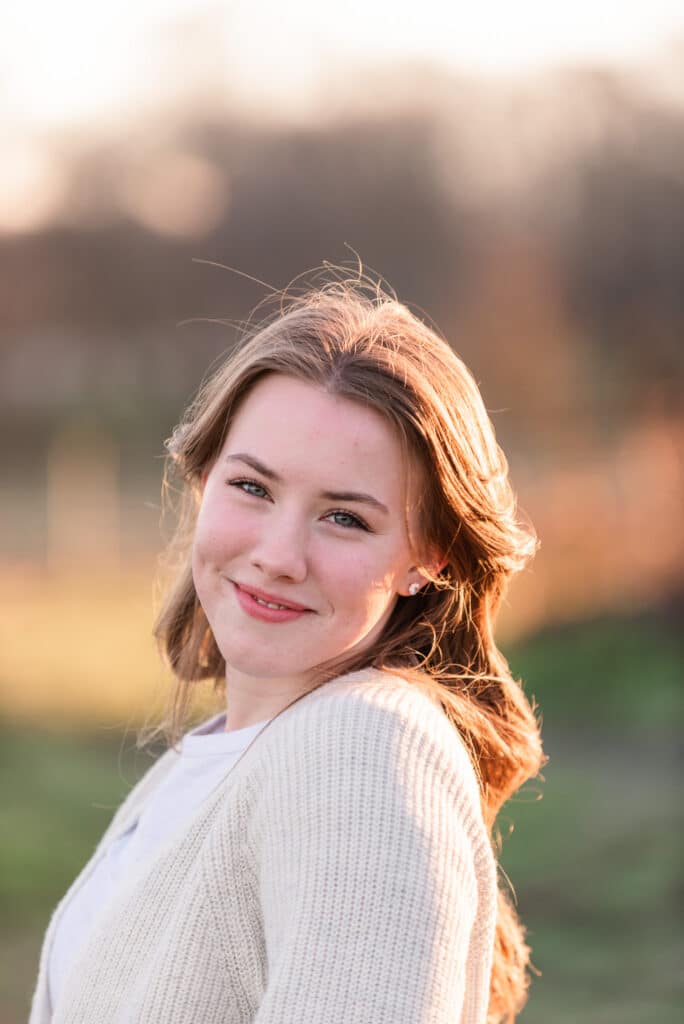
267	602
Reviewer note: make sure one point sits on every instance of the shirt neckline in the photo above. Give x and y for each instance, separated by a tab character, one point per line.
208	739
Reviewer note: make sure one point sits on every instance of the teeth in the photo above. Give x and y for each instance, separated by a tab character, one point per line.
267	604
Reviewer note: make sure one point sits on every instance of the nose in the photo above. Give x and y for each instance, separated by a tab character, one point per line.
281	549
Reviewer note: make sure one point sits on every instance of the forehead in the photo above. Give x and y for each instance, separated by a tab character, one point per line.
299	425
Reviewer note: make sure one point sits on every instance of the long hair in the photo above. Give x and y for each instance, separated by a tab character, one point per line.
363	345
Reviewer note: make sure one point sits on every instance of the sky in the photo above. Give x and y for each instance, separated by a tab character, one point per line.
77	63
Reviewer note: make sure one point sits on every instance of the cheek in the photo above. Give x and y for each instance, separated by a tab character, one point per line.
204	542
360	585
200	562
217	539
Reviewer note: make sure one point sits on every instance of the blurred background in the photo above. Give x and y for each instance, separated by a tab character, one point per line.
516	173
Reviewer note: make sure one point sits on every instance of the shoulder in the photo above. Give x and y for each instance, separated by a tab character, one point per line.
369	694
367	767
380	705
373	726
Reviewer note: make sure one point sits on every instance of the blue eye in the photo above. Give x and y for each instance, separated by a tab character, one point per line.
352	522
246	485
340	517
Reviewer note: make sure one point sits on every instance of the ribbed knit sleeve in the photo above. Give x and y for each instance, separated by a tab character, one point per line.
375	876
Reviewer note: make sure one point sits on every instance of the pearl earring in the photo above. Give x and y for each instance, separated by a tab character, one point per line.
413	589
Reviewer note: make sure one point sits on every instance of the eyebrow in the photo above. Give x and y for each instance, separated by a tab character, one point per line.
270	474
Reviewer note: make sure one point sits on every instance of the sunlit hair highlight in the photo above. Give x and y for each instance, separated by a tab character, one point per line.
354	341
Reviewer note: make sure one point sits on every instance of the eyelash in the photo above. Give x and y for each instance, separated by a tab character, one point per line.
358	522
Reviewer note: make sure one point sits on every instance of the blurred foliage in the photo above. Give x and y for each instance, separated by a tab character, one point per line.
612	672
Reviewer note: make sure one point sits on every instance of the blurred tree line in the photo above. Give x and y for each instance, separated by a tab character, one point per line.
539	225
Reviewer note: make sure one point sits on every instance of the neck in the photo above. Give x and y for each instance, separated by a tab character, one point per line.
250	700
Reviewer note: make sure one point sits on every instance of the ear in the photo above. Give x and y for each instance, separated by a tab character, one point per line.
435	562
416	579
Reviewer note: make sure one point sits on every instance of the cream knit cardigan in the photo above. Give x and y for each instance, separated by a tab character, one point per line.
341	872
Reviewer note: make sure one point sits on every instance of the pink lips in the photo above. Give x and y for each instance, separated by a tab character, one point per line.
246	600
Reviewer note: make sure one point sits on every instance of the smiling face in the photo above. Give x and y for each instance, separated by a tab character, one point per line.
305	508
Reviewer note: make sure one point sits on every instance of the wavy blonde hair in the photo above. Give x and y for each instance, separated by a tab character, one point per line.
354	341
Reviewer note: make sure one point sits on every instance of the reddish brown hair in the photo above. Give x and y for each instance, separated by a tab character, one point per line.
371	349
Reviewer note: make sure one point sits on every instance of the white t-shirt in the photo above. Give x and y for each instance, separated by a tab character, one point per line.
205	757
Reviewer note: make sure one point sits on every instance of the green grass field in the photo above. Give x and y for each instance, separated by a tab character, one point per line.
594	863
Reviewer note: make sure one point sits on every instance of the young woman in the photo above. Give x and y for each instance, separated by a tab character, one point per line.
322	850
